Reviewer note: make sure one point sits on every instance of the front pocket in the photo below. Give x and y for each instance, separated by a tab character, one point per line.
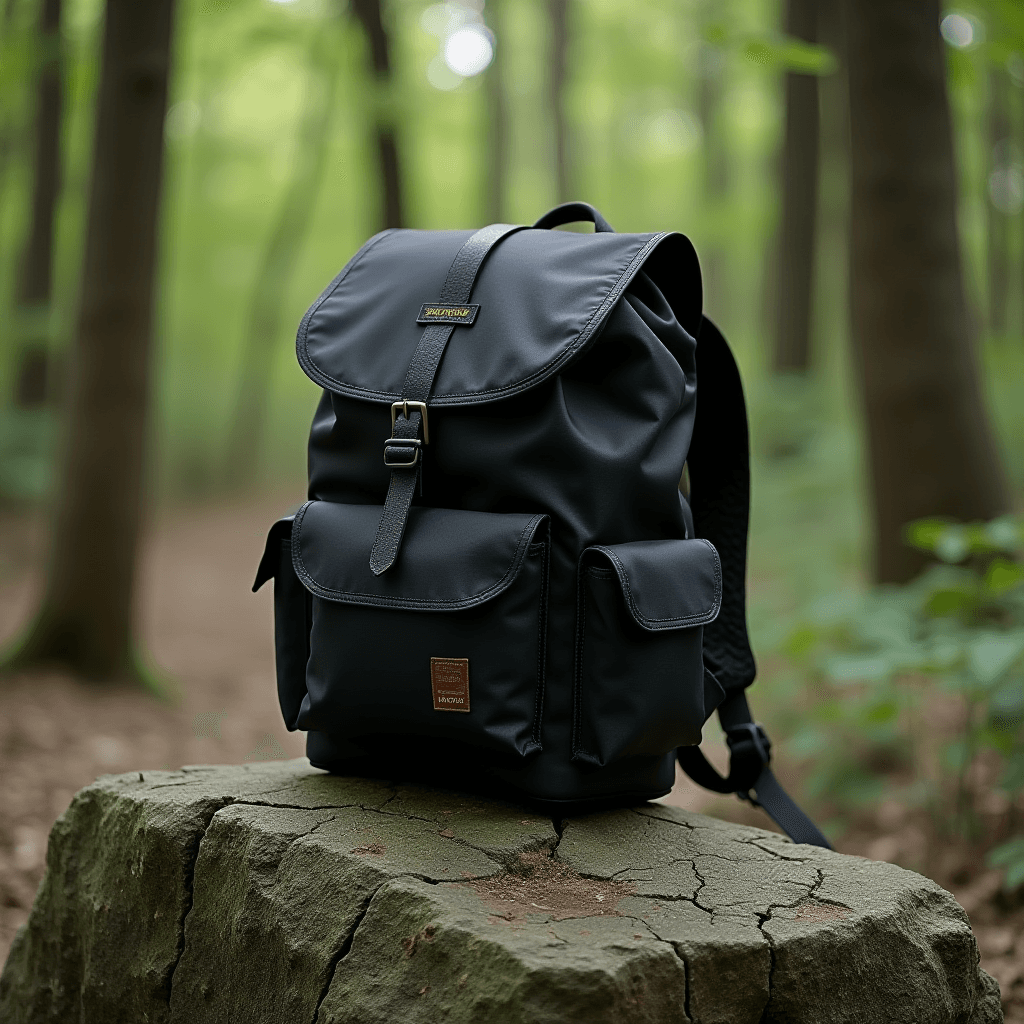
639	680
448	644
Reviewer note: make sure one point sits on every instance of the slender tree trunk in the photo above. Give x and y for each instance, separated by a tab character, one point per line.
497	109
930	446
85	620
998	224
370	16
799	203
247	428
558	13
35	275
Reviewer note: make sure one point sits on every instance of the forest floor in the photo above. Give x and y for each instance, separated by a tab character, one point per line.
212	640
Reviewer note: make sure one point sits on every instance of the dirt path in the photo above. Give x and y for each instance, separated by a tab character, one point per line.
213	639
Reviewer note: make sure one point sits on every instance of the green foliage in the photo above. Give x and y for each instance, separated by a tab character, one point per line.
930	671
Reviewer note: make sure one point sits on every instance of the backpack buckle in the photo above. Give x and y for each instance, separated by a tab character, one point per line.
399	443
749	738
750	752
404	406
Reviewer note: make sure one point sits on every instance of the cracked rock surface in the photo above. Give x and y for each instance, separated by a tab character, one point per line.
276	893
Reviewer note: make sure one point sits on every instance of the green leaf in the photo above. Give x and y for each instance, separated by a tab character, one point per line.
924	534
989	657
944	603
882	713
1003	576
800	641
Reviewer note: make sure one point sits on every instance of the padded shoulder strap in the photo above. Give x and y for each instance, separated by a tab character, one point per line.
719	466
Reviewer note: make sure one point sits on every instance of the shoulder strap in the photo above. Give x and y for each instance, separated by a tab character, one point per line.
403	450
719	467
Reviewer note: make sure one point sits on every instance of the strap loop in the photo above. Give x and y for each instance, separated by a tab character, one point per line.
569	213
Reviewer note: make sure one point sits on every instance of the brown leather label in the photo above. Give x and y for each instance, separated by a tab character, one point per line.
449	678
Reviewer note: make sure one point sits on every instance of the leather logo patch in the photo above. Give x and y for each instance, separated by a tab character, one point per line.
447	313
449	679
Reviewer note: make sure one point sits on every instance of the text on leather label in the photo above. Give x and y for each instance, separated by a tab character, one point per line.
447	313
449	679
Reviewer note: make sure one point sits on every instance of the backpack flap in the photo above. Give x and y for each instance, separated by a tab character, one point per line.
449	645
537	301
640	682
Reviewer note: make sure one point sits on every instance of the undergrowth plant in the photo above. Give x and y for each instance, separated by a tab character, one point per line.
919	690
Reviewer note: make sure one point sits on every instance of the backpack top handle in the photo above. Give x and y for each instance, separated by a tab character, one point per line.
569	213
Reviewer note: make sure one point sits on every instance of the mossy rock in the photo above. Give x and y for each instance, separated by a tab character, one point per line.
276	893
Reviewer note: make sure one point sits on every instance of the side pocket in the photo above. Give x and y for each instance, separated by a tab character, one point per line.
293	619
639	683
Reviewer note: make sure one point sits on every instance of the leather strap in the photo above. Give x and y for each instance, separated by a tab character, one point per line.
419	381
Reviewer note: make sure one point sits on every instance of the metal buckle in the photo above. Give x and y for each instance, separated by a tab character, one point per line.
404	406
401	442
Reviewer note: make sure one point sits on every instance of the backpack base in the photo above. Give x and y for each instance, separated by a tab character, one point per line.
475	776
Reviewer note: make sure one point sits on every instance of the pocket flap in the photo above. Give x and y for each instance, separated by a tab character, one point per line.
450	559
666	584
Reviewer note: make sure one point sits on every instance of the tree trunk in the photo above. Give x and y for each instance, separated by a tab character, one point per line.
930	446
370	16
497	109
799	203
35	275
998	226
85	620
558	13
268	299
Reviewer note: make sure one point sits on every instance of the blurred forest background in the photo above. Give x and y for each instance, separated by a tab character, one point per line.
288	131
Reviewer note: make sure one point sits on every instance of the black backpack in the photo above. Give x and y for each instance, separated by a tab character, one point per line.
497	582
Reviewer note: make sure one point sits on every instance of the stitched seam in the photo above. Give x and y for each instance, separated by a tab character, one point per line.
301	337
696	619
586	332
356	597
